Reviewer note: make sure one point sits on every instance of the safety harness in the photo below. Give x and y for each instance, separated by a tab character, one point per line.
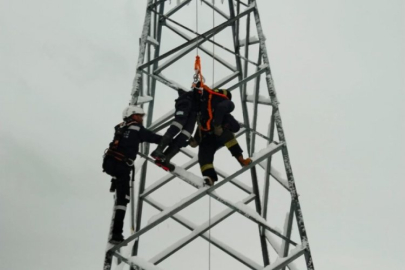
199	78
112	150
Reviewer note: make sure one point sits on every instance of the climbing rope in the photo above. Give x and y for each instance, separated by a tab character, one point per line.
198	77
213	83
209	234
196	21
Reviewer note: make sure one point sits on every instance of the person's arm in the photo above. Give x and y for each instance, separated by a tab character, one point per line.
146	135
223	108
196	139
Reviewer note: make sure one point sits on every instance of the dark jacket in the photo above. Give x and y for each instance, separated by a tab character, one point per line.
127	138
209	100
186	103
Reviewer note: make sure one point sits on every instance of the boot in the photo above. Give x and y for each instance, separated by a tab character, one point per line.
169	154
243	162
168	167
118	224
208	181
116	238
158	153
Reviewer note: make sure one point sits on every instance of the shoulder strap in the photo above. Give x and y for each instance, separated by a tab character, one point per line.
133	127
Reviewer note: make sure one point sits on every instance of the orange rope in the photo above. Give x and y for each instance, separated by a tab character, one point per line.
197	70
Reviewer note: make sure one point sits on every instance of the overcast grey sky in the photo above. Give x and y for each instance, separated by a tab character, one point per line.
66	70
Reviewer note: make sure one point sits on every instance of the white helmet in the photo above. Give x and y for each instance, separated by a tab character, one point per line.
130	110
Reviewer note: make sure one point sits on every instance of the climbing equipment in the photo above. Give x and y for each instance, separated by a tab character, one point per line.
112	150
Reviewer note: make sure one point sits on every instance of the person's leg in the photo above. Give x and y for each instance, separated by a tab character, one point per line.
177	125
121	200
182	139
206	153
228	139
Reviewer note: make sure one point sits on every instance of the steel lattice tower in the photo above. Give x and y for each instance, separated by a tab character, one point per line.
227	34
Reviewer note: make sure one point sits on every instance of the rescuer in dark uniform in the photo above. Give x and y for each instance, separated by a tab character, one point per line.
180	131
119	159
216	129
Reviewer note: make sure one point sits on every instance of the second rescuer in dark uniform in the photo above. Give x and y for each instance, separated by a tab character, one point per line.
215	129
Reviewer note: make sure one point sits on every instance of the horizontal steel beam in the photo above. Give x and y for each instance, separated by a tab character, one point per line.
164	81
225	80
162	126
245	80
220	60
198	231
241	185
250	98
216	9
240	2
195	197
241	211
177	8
199	39
232	206
186	166
282	182
211	239
250	42
167	178
153	5
161	120
252	218
210	41
283	262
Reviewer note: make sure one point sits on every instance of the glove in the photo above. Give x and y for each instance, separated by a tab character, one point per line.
218	130
193	142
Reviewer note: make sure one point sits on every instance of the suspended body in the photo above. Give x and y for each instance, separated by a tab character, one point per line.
180	131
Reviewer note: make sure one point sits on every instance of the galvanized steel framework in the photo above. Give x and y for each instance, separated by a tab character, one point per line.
149	72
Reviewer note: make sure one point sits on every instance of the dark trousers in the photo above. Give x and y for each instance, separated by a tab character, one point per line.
183	125
121	172
209	145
